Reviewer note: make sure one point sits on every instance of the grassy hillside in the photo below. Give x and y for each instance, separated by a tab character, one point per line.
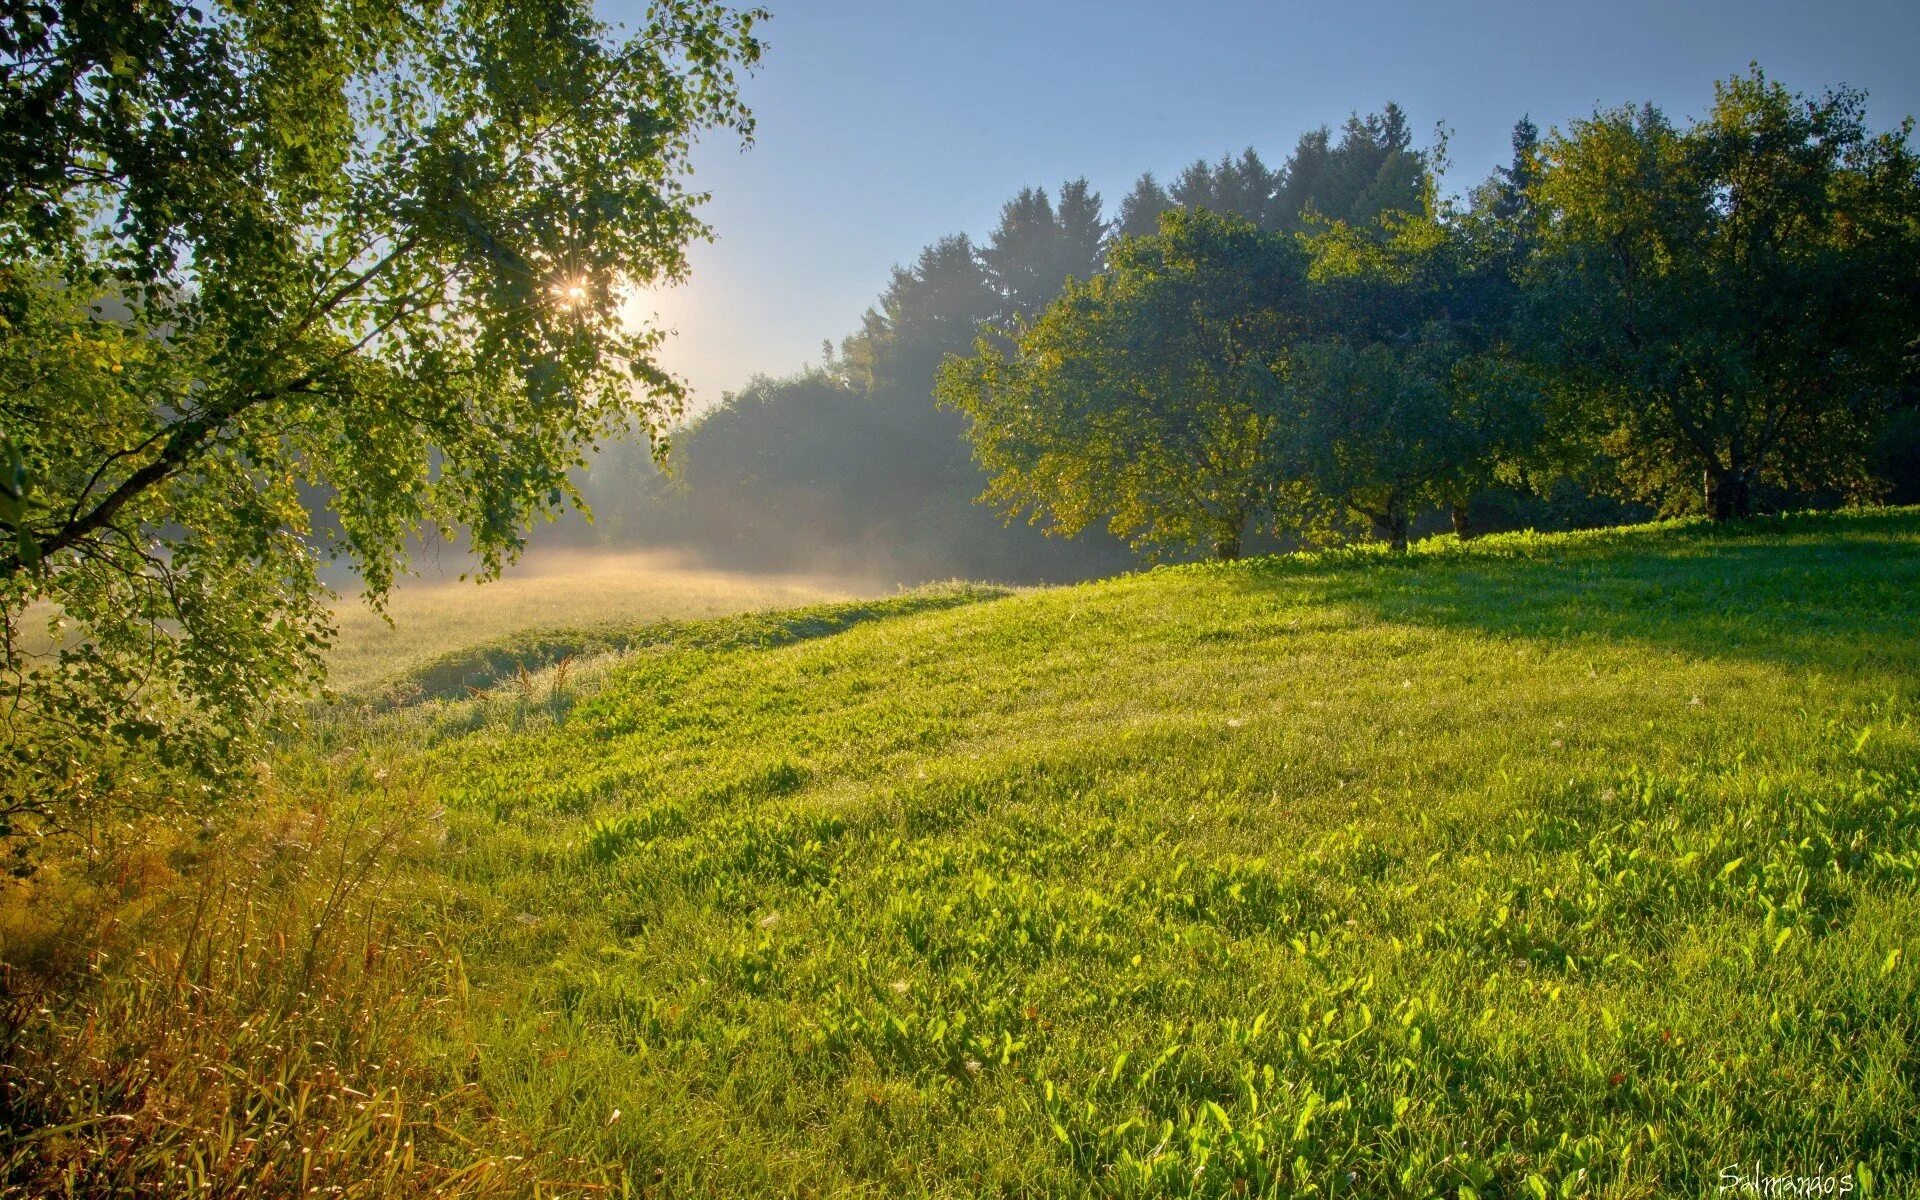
1568	866
1564	866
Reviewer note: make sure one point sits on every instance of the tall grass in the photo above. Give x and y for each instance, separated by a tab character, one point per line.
240	1010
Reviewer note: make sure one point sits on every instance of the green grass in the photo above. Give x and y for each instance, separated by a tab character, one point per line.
1546	866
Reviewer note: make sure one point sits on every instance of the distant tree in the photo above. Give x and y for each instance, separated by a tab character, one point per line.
1302	179
1241	186
1146	397
1735	297
929	310
1020	254
1084	230
1140	210
251	253
1514	183
1035	248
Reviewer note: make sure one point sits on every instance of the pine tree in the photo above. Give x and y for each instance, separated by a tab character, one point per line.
1083	232
1018	256
1140	211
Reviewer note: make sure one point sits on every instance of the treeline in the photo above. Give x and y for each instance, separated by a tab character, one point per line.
1629	318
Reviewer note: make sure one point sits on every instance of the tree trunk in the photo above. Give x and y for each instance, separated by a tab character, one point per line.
1728	495
1226	547
1391	528
1462	521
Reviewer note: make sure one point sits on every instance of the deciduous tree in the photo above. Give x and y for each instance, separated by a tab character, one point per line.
1735	296
1147	397
375	249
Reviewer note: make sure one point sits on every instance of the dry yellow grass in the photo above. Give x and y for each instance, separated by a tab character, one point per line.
577	589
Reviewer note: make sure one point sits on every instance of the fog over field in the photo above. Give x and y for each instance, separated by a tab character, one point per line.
437	611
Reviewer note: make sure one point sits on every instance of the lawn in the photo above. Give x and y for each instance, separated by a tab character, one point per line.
1546	866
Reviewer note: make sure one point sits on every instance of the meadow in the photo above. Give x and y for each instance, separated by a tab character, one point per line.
1539	866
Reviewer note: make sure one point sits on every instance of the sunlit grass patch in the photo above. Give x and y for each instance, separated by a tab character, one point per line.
578	590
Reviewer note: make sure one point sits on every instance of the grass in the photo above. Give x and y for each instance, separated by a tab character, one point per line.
1584	865
232	1011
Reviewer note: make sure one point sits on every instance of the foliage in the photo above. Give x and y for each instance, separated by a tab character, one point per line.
1538	865
851	464
1737	296
376	249
1370	171
1145	397
1037	247
1408	394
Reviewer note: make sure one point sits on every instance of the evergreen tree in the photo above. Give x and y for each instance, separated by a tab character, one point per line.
1036	248
929	310
1083	232
1513	181
1140	210
1302	178
1020	255
1243	187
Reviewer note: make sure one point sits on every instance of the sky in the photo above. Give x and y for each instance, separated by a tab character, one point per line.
885	125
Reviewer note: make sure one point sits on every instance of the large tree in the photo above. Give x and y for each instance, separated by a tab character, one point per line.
1146	397
1408	395
1736	296
374	251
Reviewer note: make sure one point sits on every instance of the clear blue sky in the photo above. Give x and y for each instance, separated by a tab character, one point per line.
884	124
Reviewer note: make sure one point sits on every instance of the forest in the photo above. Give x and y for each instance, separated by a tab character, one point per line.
1490	352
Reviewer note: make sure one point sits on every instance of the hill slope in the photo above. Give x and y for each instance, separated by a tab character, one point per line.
1551	866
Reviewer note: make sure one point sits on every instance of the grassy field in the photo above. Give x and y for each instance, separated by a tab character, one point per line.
1541	867
576	590
1565	866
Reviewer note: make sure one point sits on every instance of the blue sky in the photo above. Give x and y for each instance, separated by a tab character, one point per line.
883	126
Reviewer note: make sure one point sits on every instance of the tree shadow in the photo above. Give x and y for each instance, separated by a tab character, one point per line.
1833	592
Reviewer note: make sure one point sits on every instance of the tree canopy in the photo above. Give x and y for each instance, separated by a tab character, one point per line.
374	251
1736	299
1145	396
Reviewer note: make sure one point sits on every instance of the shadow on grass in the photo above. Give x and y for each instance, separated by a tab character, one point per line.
479	667
1830	592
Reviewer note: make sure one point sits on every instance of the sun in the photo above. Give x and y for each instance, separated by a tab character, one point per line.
570	293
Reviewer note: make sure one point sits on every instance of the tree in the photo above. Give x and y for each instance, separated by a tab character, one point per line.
1140	210
1407	394
1084	228
1035	249
376	250
1242	186
1735	297
1145	397
929	310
